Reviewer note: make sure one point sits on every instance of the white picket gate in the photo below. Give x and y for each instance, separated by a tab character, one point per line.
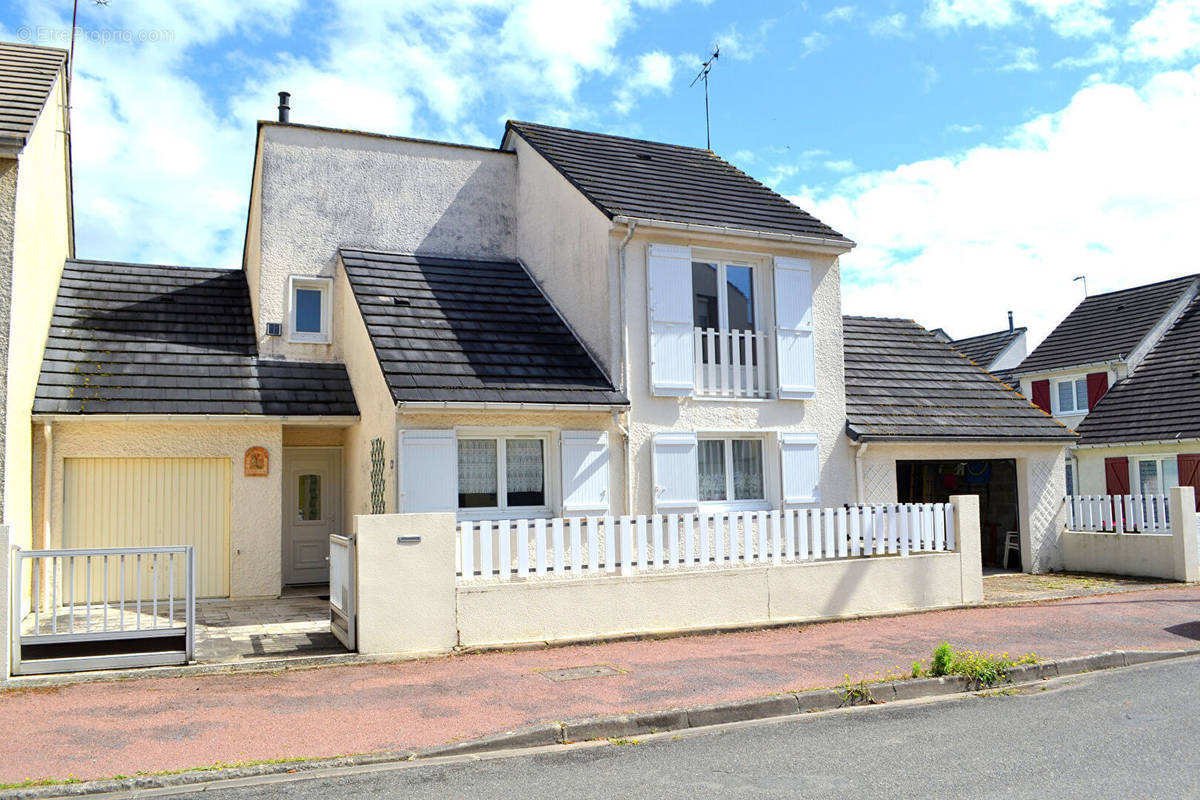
1119	513
592	546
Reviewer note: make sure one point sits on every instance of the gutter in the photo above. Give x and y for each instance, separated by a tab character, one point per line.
834	246
449	405
1109	364
867	438
621	280
1138	443
626	466
341	421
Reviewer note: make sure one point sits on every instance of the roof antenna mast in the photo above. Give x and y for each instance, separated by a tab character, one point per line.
1084	279
706	68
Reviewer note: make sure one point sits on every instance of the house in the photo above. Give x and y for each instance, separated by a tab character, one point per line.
926	422
1107	342
999	352
569	324
36	237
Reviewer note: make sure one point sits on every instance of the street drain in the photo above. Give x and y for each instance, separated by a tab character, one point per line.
579	673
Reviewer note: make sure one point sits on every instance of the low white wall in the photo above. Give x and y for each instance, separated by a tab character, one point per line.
6	611
408	600
1173	556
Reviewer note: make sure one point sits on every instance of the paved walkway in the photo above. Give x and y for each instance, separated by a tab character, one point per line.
245	630
104	729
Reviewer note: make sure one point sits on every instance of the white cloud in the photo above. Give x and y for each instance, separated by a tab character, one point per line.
959	128
1170	31
929	77
813	43
1066	17
1100	53
1023	59
743	46
1094	188
842	165
893	25
652	73
840	14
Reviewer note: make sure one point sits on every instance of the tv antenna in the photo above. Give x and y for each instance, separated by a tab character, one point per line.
1084	279
706	68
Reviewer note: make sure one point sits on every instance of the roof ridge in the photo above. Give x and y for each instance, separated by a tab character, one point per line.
1142	287
89	262
516	122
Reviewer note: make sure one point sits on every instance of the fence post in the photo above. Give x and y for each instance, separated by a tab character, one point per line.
406	583
8	602
966	538
1183	533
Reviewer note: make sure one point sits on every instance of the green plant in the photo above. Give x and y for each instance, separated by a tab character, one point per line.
917	669
854	694
943	660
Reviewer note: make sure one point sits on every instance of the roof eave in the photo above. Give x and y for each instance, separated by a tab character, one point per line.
340	420
950	439
834	246
491	405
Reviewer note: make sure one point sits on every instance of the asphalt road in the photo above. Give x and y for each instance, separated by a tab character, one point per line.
1121	733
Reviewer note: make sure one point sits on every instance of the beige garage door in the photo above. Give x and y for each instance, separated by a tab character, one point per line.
152	502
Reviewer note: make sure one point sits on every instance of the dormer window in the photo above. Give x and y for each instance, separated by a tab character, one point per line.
310	310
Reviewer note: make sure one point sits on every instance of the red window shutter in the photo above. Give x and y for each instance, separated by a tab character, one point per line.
1041	395
1116	475
1097	386
1189	472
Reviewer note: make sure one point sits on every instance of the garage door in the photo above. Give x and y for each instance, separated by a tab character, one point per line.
151	502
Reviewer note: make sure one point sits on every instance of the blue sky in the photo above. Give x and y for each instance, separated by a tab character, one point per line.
981	152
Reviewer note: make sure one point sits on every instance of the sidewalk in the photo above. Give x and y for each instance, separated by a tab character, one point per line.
99	730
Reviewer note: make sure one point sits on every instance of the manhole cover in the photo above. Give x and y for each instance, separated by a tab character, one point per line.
579	673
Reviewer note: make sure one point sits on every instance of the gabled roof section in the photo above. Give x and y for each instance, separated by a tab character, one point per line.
901	382
1160	401
985	348
27	75
1106	327
143	339
668	182
465	331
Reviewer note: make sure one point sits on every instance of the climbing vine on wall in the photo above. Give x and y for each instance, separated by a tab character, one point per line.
377	463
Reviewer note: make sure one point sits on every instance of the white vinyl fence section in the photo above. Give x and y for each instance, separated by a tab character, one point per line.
731	363
1119	513
592	546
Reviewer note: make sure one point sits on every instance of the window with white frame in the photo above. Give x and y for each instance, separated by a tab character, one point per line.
731	471
1070	396
723	295
1156	474
310	311
502	473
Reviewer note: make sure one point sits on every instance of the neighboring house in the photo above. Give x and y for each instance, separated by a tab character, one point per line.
999	353
927	423
36	237
571	324
1105	343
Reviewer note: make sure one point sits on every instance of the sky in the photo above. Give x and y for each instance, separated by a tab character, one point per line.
981	153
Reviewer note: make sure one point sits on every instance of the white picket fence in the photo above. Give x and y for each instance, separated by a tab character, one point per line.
731	363
591	546
1118	513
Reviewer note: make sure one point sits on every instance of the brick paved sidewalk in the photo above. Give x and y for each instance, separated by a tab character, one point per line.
98	730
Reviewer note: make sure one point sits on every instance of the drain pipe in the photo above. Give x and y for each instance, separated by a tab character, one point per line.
616	416
860	450
622	280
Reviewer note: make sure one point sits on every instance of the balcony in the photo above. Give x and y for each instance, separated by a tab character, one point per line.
731	363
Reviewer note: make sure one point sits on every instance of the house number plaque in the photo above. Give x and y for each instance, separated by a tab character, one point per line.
256	462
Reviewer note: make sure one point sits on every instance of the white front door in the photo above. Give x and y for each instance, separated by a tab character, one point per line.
312	510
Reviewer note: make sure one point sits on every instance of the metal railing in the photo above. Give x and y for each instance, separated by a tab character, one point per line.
103	608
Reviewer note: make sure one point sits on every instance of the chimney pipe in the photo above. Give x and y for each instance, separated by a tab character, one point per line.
1010	322
285	109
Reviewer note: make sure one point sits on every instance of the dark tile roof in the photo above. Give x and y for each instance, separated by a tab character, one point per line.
140	339
652	180
26	77
470	331
1161	399
1105	327
984	349
902	382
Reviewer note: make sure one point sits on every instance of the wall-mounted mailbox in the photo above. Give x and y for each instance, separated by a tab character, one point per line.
408	540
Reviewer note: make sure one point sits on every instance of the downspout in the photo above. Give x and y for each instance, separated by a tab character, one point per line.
624	372
48	486
616	415
860	450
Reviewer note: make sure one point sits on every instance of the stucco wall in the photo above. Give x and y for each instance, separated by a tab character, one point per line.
321	190
255	537
8	200
1143	554
377	412
824	414
562	239
1090	462
40	246
1041	486
552	421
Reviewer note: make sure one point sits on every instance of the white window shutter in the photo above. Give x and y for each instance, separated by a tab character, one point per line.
800	457
429	470
585	473
676	472
672	348
794	328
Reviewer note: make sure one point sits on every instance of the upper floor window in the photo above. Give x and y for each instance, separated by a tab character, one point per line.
723	295
1071	396
310	310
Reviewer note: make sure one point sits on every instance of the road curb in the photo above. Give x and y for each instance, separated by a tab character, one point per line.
625	726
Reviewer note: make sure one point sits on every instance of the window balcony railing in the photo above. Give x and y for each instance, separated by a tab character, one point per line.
731	363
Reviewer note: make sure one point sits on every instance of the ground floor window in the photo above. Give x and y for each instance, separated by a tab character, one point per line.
1070	478
731	470
501	473
1157	474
